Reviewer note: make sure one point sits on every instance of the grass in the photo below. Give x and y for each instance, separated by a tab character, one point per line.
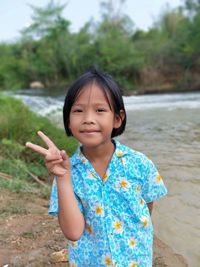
19	125
13	210
28	234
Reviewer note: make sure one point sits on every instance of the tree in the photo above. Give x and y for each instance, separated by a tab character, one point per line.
192	7
49	34
47	21
115	53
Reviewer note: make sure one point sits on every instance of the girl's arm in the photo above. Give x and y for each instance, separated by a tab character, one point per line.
70	218
150	207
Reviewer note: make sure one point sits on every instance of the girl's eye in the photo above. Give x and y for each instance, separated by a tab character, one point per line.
101	110
77	110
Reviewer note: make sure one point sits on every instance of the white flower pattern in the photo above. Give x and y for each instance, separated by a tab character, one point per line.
118	228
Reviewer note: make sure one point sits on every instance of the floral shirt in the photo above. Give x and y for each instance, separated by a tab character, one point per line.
118	228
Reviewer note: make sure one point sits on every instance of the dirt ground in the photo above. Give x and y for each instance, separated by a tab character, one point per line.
28	235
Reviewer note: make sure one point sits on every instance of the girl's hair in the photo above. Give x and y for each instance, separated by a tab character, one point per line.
110	88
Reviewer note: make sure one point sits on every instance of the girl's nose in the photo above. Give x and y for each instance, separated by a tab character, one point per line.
89	117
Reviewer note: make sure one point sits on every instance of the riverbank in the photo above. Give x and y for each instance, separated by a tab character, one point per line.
19	125
28	236
165	88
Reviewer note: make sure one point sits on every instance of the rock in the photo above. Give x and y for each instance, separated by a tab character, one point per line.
59	256
164	256
36	85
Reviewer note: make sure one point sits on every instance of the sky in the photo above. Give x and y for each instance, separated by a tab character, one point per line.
16	14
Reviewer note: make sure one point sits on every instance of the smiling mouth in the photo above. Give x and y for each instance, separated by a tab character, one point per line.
89	131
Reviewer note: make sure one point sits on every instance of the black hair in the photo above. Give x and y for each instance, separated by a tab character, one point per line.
110	89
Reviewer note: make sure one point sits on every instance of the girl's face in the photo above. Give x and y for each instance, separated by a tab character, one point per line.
91	117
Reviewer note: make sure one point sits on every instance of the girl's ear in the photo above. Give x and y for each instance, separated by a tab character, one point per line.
119	119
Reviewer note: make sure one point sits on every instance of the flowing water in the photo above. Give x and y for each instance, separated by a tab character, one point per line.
167	129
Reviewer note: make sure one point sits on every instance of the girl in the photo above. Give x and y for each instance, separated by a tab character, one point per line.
103	195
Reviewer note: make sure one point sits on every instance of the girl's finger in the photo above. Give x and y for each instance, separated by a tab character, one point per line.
38	149
63	154
46	139
52	164
51	157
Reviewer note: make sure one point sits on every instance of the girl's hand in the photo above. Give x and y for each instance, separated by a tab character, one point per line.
56	161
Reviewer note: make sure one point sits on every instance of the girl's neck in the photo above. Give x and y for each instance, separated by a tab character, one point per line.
102	153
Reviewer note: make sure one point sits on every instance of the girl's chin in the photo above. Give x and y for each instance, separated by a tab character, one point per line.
94	143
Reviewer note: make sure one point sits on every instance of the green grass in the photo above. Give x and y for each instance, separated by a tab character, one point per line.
29	235
17	126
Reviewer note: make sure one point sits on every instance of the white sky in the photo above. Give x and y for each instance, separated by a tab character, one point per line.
16	14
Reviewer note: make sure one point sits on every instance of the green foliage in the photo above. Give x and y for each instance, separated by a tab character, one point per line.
50	53
47	21
115	52
14	167
19	125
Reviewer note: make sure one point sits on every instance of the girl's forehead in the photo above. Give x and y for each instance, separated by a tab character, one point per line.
92	92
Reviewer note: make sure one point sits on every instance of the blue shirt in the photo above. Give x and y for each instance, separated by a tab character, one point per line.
118	228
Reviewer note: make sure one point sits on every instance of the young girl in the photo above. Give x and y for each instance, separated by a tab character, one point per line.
103	195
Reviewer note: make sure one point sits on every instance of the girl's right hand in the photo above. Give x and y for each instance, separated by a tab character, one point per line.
56	161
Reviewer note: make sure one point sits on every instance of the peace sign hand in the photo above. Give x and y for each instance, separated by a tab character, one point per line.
56	161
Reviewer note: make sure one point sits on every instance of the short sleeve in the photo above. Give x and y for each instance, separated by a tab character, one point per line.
153	186
53	206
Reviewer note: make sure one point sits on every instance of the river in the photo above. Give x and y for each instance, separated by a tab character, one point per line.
167	129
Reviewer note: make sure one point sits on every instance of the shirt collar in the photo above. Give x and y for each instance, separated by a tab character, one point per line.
79	158
120	149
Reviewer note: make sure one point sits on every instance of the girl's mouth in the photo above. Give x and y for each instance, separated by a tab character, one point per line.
89	131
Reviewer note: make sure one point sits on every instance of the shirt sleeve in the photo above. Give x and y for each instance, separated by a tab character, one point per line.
53	206
153	186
